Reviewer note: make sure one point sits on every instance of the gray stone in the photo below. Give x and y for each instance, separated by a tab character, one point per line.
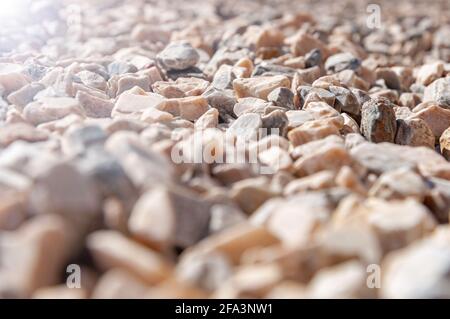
178	56
282	97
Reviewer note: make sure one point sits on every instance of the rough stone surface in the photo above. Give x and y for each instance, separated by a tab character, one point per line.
178	56
224	149
378	121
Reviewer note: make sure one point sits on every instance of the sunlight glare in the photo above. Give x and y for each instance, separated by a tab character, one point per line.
12	8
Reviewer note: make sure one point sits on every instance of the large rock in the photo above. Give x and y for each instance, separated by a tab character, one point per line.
436	117
12	77
170	218
35	255
111	249
346	280
51	108
178	56
135	101
399	223
384	157
378	121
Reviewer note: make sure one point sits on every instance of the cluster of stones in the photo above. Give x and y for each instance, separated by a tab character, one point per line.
360	171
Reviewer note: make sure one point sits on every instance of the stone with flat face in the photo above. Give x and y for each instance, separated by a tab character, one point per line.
259	87
178	56
170	218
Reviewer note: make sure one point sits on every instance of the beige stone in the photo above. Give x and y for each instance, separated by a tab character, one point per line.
259	87
207	271
35	255
245	127
60	292
12	77
51	108
21	131
189	108
181	87
251	193
110	250
62	189
419	270
346	280
92	79
315	130
135	100
250	105
444	143
296	220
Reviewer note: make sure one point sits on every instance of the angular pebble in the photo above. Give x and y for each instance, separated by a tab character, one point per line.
378	121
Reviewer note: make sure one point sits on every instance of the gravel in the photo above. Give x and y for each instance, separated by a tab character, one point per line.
250	149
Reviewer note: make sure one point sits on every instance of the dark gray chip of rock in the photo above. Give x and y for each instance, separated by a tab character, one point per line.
345	100
313	58
282	97
178	56
342	61
378	122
